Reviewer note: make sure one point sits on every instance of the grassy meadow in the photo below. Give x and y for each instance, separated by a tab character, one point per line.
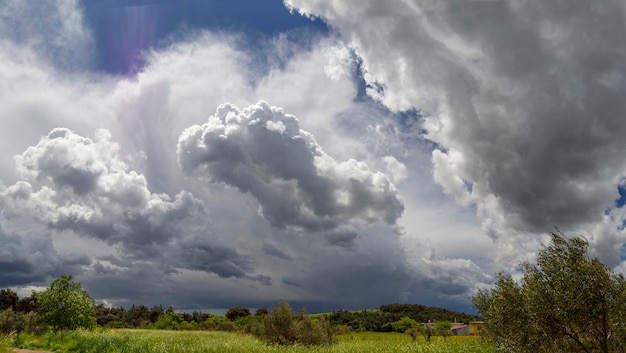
156	341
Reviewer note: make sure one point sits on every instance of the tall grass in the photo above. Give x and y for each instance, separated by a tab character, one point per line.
5	343
151	341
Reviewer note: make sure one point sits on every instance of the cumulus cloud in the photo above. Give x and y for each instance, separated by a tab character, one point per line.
325	228
524	100
78	184
262	151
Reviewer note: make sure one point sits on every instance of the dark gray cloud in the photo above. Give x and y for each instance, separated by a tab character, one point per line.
272	250
32	258
370	272
525	99
263	151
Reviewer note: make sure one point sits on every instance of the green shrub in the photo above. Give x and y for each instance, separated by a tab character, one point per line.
11	321
342	330
404	324
246	323
281	327
32	324
237	312
169	321
15	321
217	323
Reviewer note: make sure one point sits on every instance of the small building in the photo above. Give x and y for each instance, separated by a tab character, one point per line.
469	329
460	330
474	327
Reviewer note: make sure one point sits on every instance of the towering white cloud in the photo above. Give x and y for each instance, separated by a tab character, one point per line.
280	219
263	151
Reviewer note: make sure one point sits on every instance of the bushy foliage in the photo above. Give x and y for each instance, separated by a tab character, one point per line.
218	323
11	321
380	320
281	327
171	321
403	325
15	322
8	299
423	313
566	302
65	305
236	312
261	311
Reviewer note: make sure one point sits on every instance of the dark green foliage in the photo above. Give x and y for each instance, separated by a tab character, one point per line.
27	304
422	313
281	327
8	299
155	313
137	316
261	311
380	320
109	316
567	302
65	305
236	312
170	321
218	323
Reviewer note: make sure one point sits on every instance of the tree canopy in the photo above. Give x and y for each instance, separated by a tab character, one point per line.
566	302
65	305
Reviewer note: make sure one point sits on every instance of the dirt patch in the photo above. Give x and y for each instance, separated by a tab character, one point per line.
16	350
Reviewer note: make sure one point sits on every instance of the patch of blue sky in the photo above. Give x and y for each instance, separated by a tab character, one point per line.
124	29
619	203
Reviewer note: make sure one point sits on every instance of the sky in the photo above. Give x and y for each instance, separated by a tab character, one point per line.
202	154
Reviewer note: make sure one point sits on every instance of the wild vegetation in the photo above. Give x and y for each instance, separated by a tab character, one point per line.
148	341
65	307
567	302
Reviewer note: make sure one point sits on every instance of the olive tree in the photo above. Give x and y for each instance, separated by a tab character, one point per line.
281	327
65	305
566	302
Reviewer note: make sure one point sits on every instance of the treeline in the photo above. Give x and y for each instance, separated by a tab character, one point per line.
381	320
237	318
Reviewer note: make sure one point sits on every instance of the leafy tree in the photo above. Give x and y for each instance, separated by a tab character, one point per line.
442	328
139	316
65	305
236	312
404	324
155	313
567	302
170	321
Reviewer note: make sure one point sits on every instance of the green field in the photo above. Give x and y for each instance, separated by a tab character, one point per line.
151	341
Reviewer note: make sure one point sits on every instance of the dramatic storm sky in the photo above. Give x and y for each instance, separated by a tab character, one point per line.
332	153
